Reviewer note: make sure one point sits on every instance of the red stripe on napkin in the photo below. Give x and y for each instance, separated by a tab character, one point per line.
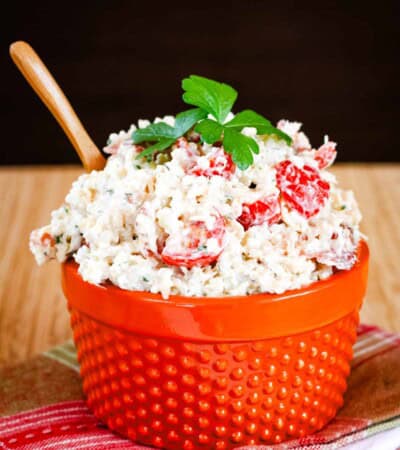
68	425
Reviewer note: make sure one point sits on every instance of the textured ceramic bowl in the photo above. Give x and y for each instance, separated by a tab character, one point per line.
189	373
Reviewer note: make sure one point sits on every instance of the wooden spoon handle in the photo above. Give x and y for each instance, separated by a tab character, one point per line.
40	79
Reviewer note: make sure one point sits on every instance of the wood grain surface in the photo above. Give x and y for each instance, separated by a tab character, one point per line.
33	314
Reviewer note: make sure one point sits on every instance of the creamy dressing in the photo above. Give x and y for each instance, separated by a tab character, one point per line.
116	222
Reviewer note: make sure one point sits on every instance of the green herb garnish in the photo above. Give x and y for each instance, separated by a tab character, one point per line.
215	99
163	134
211	96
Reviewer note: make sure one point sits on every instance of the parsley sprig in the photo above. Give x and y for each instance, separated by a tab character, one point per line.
216	100
163	134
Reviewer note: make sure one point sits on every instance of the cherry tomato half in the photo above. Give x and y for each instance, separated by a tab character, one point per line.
193	248
267	211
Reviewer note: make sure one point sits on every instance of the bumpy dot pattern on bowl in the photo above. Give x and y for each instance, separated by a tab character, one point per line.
177	394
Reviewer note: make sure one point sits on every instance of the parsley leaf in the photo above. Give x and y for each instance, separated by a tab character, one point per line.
249	118
162	144
185	120
214	97
210	130
217	99
241	147
153	132
163	134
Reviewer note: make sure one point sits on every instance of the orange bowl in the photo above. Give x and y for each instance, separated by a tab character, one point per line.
205	372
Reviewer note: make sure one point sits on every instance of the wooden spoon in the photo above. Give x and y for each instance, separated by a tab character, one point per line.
46	87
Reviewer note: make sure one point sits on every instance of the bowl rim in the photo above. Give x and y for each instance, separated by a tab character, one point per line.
362	256
207	318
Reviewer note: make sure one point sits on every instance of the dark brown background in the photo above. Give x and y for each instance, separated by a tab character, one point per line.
331	64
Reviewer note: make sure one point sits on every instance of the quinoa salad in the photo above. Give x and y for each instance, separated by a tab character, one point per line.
188	220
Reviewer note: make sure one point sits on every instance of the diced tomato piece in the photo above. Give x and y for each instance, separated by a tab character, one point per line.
219	164
326	155
194	137
303	189
193	250
267	211
342	261
182	142
341	257
139	148
188	261
47	239
112	149
300	140
191	149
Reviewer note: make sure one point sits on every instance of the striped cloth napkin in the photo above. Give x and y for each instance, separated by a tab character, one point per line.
42	406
